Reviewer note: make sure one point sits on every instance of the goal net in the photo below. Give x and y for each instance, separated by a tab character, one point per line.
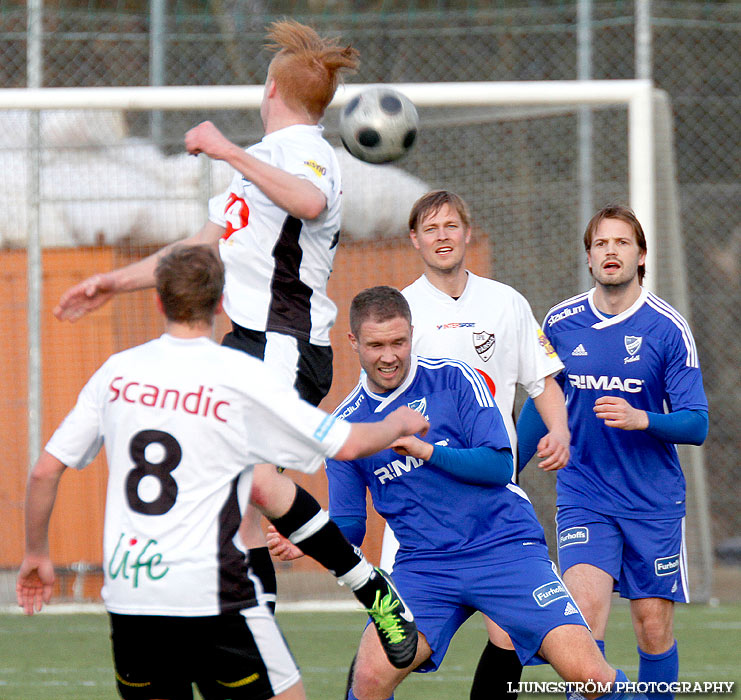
97	177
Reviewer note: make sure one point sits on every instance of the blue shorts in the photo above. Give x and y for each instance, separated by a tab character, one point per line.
525	597
647	558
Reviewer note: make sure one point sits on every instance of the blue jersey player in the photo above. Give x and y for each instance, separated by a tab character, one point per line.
633	389
469	538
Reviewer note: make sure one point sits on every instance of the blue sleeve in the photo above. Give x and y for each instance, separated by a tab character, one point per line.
530	428
486	466
346	488
684	427
352	528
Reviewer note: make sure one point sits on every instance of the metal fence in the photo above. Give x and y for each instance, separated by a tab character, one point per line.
690	49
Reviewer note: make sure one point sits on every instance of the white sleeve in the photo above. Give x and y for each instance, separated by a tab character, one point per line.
287	431
538	359
318	167
78	439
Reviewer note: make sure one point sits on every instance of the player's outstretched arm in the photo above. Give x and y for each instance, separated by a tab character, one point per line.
92	293
368	438
36	575
299	197
553	447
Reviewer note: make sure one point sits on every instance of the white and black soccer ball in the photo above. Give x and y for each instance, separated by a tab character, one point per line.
379	125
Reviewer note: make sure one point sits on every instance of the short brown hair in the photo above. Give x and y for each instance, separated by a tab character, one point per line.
380	304
433	202
307	68
190	282
622	213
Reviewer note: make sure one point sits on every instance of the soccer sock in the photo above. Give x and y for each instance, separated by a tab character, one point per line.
659	668
351	696
498	672
308	527
350	672
620	677
262	567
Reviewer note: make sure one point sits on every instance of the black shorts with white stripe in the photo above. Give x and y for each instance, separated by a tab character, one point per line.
236	656
309	365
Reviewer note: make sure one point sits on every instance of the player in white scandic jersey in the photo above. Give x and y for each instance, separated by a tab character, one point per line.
488	325
634	389
183	421
276	229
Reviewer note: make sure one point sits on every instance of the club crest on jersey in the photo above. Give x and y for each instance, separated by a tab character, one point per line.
419	405
484	344
632	345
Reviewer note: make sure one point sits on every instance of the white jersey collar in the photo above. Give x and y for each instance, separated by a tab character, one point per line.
200	340
280	133
385	399
606	321
444	296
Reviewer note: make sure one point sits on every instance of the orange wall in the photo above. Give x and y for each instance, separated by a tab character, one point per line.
72	352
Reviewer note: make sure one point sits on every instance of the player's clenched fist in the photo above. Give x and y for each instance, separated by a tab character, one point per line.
554	449
414	423
206	138
618	413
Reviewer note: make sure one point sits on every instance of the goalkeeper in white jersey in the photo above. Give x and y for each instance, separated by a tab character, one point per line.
183	421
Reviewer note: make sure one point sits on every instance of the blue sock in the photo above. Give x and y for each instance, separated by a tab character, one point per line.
351	695
620	677
659	668
601	645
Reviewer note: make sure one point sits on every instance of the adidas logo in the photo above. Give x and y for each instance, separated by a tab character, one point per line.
579	351
570	609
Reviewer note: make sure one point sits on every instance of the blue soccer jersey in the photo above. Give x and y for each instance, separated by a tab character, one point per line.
647	356
431	512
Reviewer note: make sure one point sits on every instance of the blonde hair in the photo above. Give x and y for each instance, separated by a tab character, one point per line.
432	202
307	68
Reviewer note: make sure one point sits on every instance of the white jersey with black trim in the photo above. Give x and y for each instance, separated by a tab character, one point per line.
183	422
491	328
277	266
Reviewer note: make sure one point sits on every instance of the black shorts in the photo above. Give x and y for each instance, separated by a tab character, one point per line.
308	367
235	656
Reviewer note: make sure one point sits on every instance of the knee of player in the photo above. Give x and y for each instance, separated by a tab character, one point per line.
267	486
371	680
654	637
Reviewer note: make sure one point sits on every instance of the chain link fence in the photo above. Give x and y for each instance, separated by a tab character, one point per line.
517	168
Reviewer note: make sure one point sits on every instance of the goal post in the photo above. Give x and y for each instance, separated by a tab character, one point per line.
92	189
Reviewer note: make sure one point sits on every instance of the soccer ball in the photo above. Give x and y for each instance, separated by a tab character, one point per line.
379	125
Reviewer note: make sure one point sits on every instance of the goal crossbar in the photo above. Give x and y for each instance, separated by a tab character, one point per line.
635	94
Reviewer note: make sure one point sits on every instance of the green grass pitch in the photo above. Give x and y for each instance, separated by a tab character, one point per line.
54	657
